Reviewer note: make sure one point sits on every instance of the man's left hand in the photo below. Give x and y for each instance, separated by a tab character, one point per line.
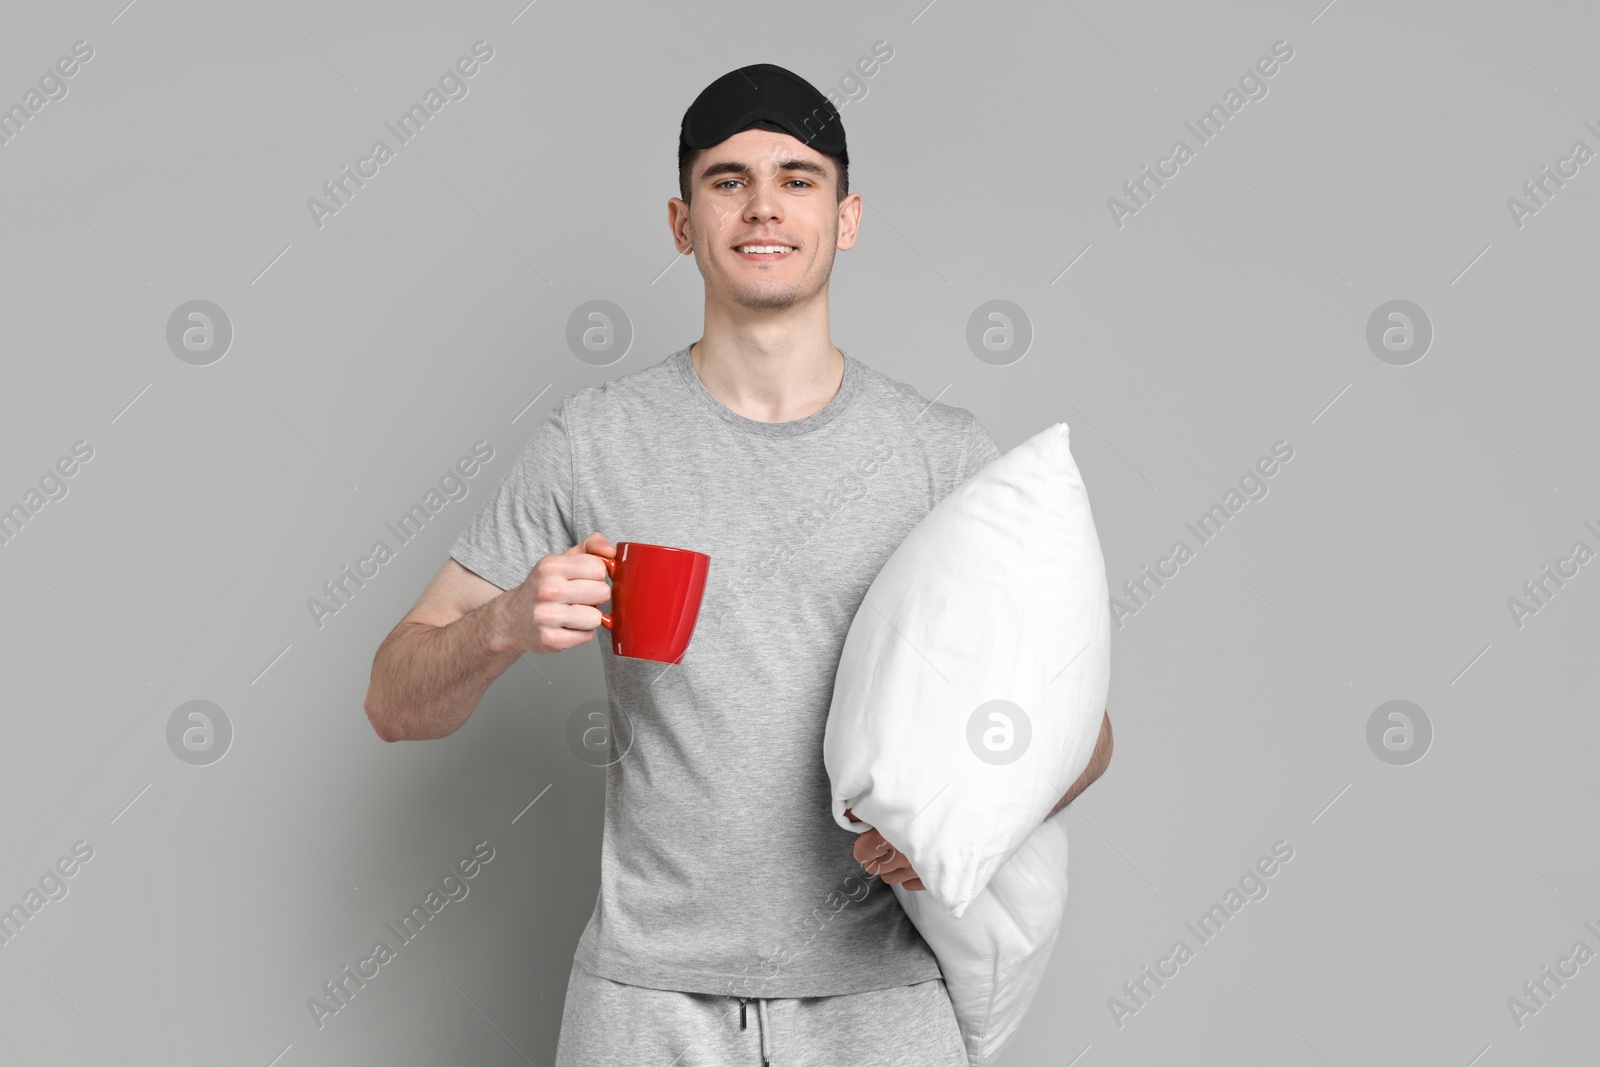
883	859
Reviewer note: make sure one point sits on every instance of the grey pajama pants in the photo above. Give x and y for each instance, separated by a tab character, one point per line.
611	1024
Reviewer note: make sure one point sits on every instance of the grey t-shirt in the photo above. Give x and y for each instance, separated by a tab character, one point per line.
722	870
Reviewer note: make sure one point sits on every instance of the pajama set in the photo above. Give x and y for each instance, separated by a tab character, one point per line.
733	925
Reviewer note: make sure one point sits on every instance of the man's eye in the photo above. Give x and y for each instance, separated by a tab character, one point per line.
735	181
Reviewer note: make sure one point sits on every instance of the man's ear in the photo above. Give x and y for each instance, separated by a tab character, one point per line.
849	221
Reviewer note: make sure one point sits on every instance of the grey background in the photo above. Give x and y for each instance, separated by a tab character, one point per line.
432	311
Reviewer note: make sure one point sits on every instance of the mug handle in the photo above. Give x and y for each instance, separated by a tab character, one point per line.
611	572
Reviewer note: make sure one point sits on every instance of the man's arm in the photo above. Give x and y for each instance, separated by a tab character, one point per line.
430	672
1099	759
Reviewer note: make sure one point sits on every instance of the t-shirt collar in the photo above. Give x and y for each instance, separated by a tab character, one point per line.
795	427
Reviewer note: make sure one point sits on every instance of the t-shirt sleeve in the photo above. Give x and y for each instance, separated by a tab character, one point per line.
529	515
981	450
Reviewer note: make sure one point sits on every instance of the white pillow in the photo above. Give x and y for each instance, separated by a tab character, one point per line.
997	595
994	956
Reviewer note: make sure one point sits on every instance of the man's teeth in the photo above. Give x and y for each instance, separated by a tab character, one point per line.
765	248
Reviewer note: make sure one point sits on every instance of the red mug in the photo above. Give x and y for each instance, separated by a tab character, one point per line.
655	599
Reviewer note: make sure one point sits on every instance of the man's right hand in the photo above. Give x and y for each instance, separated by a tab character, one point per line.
557	606
464	631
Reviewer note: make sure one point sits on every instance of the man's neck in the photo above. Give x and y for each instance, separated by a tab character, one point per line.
769	382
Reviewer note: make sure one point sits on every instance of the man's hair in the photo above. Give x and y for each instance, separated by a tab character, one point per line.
687	156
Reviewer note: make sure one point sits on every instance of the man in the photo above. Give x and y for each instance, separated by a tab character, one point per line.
799	470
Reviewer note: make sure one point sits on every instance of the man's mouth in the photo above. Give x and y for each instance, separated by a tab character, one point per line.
764	253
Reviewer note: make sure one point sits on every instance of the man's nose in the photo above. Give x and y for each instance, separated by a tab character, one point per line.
763	202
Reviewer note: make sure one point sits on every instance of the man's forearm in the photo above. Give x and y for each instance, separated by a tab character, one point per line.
426	679
1098	761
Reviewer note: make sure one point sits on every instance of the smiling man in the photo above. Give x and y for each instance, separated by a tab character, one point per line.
736	922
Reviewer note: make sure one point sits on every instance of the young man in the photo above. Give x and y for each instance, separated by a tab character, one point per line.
799	470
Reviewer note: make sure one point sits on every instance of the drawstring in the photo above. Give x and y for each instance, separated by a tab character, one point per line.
761	1012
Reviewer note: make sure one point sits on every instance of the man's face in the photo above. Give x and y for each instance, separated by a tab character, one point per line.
760	188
